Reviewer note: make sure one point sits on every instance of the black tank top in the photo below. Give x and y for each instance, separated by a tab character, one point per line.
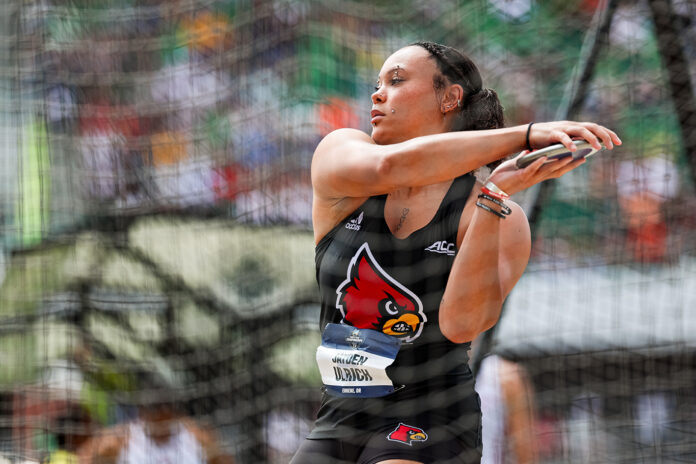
370	279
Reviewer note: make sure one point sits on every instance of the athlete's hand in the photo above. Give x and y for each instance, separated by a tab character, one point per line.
511	180
543	134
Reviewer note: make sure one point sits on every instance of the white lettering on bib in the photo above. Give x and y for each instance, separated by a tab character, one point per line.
353	362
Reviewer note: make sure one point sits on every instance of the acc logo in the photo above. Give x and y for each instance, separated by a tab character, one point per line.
371	299
442	247
407	434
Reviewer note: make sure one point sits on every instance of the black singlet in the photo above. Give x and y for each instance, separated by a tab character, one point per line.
370	279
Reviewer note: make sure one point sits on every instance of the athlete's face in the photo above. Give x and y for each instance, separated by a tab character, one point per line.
405	104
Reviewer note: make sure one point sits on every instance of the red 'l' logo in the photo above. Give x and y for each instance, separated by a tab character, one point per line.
407	434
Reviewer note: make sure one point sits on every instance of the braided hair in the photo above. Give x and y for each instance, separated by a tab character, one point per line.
481	108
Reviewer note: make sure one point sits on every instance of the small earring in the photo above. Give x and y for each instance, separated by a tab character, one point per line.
393	110
459	103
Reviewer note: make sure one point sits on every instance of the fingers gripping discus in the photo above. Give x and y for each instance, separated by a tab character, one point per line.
558	151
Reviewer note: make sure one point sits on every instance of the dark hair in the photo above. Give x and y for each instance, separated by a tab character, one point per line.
481	108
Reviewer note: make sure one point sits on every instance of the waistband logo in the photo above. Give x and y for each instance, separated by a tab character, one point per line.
407	434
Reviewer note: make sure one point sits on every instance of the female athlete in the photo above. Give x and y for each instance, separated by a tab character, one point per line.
415	257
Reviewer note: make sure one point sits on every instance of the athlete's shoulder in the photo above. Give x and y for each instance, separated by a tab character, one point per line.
340	137
347	133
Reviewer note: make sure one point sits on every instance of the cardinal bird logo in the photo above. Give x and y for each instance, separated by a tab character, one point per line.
407	434
371	299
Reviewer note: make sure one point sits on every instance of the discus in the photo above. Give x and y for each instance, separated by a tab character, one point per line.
558	151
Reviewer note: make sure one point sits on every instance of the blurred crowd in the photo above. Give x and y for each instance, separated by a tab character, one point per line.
170	106
157	106
214	108
159	433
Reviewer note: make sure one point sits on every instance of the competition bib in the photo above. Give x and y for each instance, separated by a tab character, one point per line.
353	362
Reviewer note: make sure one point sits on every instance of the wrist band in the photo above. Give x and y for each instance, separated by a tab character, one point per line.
505	209
529	129
490	210
493	190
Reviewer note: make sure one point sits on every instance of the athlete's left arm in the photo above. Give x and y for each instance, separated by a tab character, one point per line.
493	253
491	259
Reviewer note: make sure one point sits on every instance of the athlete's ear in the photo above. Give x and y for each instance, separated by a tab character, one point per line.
452	98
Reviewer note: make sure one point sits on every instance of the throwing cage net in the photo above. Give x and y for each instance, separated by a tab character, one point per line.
155	216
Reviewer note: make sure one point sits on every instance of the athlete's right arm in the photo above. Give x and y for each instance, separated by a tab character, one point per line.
348	163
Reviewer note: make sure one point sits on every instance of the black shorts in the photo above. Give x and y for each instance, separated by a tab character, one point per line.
409	439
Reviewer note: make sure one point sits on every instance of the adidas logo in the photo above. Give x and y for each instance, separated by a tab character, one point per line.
442	247
354	224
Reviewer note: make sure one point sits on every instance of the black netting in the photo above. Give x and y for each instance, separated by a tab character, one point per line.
155	215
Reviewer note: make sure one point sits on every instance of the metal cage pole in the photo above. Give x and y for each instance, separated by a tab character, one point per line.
669	30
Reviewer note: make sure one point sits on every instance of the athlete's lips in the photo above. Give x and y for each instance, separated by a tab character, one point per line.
376	115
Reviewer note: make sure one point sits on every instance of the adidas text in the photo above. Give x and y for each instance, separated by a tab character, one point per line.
354	224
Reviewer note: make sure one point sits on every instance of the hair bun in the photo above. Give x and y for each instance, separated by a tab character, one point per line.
481	94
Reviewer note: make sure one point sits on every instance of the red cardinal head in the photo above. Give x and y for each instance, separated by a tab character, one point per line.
407	434
371	299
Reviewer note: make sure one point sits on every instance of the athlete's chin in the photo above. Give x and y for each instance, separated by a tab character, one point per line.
380	136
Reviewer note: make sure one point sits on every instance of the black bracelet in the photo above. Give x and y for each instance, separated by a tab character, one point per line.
529	129
505	208
490	210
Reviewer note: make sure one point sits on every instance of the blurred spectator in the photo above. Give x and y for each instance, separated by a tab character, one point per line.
336	113
512	10
208	32
586	430
227	180
61	107
72	430
643	186
508	416
652	411
630	28
101	145
285	431
282	199
169	147
548	435
188	90
159	436
181	179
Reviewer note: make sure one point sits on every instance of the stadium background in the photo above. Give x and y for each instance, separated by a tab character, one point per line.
155	211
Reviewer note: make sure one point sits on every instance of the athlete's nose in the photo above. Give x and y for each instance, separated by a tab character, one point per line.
378	96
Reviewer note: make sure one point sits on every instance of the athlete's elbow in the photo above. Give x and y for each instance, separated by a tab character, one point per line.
392	170
462	329
465	334
384	167
456	335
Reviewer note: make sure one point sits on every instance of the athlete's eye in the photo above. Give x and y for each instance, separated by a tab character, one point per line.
396	80
391	308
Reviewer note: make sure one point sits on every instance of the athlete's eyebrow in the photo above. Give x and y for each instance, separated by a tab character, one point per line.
397	68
